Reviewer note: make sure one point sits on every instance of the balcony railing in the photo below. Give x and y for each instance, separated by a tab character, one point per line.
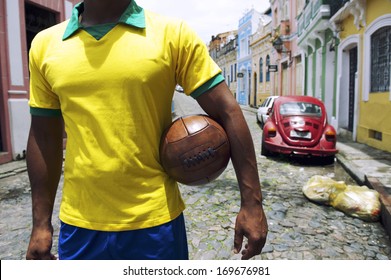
312	9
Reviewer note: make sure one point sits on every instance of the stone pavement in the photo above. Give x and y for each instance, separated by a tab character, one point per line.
298	229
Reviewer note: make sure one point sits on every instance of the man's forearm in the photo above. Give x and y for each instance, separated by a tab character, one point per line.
44	165
220	105
243	158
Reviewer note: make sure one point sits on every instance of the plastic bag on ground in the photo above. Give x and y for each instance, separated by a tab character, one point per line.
318	188
356	201
360	202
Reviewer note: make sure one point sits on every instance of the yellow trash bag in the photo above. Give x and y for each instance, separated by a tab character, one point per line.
357	201
318	188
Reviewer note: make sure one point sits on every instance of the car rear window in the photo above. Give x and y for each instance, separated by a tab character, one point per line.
300	108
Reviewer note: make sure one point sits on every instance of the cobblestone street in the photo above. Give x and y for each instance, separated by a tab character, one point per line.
298	228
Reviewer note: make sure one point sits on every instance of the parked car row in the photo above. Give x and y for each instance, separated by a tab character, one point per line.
262	114
178	88
296	126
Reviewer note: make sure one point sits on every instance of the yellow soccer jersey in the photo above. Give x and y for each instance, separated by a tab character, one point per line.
115	96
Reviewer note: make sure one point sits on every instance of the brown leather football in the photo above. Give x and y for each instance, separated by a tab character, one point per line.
194	150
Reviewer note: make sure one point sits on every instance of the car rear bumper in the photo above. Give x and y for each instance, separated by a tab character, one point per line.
300	151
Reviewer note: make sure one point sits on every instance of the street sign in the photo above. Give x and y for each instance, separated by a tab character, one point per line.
273	68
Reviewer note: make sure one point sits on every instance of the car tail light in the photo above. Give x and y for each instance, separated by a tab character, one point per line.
330	136
272	132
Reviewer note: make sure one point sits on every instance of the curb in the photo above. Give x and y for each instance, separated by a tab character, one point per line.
355	173
12	168
385	200
375	184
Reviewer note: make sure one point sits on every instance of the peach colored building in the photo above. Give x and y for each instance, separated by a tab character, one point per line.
289	77
20	20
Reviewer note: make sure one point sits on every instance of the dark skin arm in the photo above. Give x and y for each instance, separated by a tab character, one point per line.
44	165
251	222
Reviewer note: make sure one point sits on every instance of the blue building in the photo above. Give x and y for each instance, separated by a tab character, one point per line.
247	26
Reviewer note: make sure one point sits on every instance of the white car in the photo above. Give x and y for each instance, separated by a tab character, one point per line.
179	88
262	110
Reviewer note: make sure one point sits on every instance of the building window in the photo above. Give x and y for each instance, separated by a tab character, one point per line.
267	68
300	6
285	10
261	70
381	59
375	134
243	48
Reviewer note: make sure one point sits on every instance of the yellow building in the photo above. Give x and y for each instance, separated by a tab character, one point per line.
363	30
223	50
261	57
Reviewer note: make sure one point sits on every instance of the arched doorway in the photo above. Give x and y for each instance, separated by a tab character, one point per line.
347	90
249	86
255	89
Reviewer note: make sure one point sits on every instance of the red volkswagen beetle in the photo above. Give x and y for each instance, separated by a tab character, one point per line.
297	125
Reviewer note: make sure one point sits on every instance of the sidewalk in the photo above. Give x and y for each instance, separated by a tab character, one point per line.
367	165
12	168
370	167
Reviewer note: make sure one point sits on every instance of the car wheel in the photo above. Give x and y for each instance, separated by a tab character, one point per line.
262	122
328	160
264	151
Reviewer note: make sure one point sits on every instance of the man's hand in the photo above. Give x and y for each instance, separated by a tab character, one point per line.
40	245
252	224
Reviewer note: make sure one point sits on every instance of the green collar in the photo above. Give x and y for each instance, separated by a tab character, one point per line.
133	15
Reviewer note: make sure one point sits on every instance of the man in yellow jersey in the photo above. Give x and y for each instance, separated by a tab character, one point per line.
109	74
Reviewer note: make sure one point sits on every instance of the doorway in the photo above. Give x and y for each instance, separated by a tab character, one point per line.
37	19
255	89
347	88
352	86
2	117
249	86
1	125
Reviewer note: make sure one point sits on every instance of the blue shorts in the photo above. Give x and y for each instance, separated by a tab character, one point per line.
164	242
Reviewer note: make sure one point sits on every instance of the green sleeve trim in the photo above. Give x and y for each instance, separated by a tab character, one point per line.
45	112
207	86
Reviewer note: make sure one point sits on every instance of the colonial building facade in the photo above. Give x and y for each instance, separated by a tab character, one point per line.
261	58
363	70
287	56
337	51
223	49
20	21
248	25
